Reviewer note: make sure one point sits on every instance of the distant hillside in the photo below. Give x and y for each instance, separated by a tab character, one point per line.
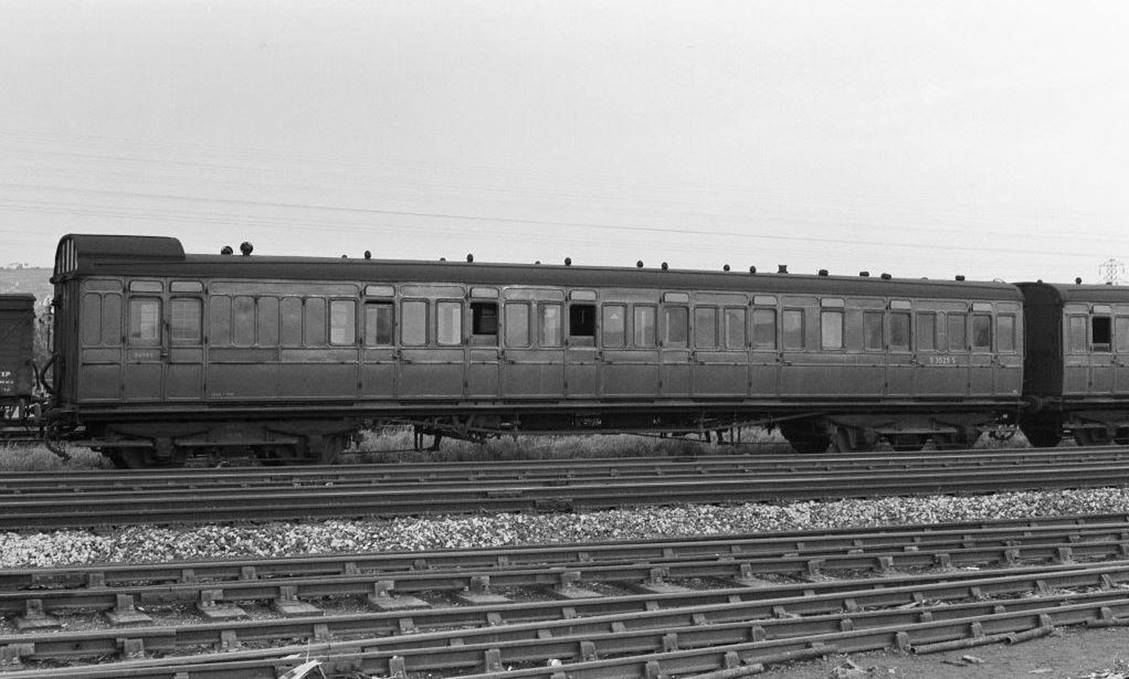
32	280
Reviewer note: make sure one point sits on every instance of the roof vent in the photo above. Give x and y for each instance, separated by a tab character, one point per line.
823	272
368	254
469	257
886	276
1078	281
245	247
864	274
781	268
665	266
442	259
639	264
725	268
752	269
568	261
960	277
226	250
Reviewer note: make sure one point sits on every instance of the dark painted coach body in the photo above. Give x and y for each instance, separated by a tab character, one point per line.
158	352
1077	368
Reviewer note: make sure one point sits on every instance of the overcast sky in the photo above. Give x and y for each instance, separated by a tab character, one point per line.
989	139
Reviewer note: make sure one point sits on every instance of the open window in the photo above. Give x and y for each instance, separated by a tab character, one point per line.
484	323
981	333
582	325
1101	333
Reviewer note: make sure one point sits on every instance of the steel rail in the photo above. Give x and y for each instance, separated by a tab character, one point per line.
741	558
916	614
551	470
561	477
58	510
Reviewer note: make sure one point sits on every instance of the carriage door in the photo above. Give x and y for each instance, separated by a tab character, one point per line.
581	354
1009	358
1121	360
764	364
146	345
982	363
1076	359
483	352
674	345
1101	350
184	373
378	364
901	362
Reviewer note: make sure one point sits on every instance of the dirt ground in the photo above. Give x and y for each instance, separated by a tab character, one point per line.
1073	654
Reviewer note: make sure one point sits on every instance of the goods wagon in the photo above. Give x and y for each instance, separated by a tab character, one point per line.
159	353
17	373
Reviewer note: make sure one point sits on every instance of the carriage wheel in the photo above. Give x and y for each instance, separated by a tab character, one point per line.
805	437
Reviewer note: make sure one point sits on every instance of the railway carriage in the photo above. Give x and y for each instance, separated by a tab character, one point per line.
159	352
1077	367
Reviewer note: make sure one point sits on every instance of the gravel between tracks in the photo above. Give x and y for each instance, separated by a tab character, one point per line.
142	544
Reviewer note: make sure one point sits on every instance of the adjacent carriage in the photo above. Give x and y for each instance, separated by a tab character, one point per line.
159	353
1077	363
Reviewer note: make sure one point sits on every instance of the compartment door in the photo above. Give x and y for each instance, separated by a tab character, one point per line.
146	349
184	372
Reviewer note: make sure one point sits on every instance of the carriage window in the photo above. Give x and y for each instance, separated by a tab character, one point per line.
981	332
378	324
268	321
705	327
926	332
91	319
184	320
957	327
872	330
290	310
342	322
243	321
831	329
517	325
613	328
549	325
483	321
1005	333
644	326
449	326
582	324
413	323
219	320
899	331
144	320
315	322
1122	333
1101	329
101	319
675	322
1079	343
764	328
734	328
112	320
793	320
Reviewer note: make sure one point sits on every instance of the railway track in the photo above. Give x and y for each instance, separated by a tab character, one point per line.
595	610
56	500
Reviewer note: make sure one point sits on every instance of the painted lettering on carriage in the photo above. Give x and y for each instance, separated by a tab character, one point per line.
942	360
